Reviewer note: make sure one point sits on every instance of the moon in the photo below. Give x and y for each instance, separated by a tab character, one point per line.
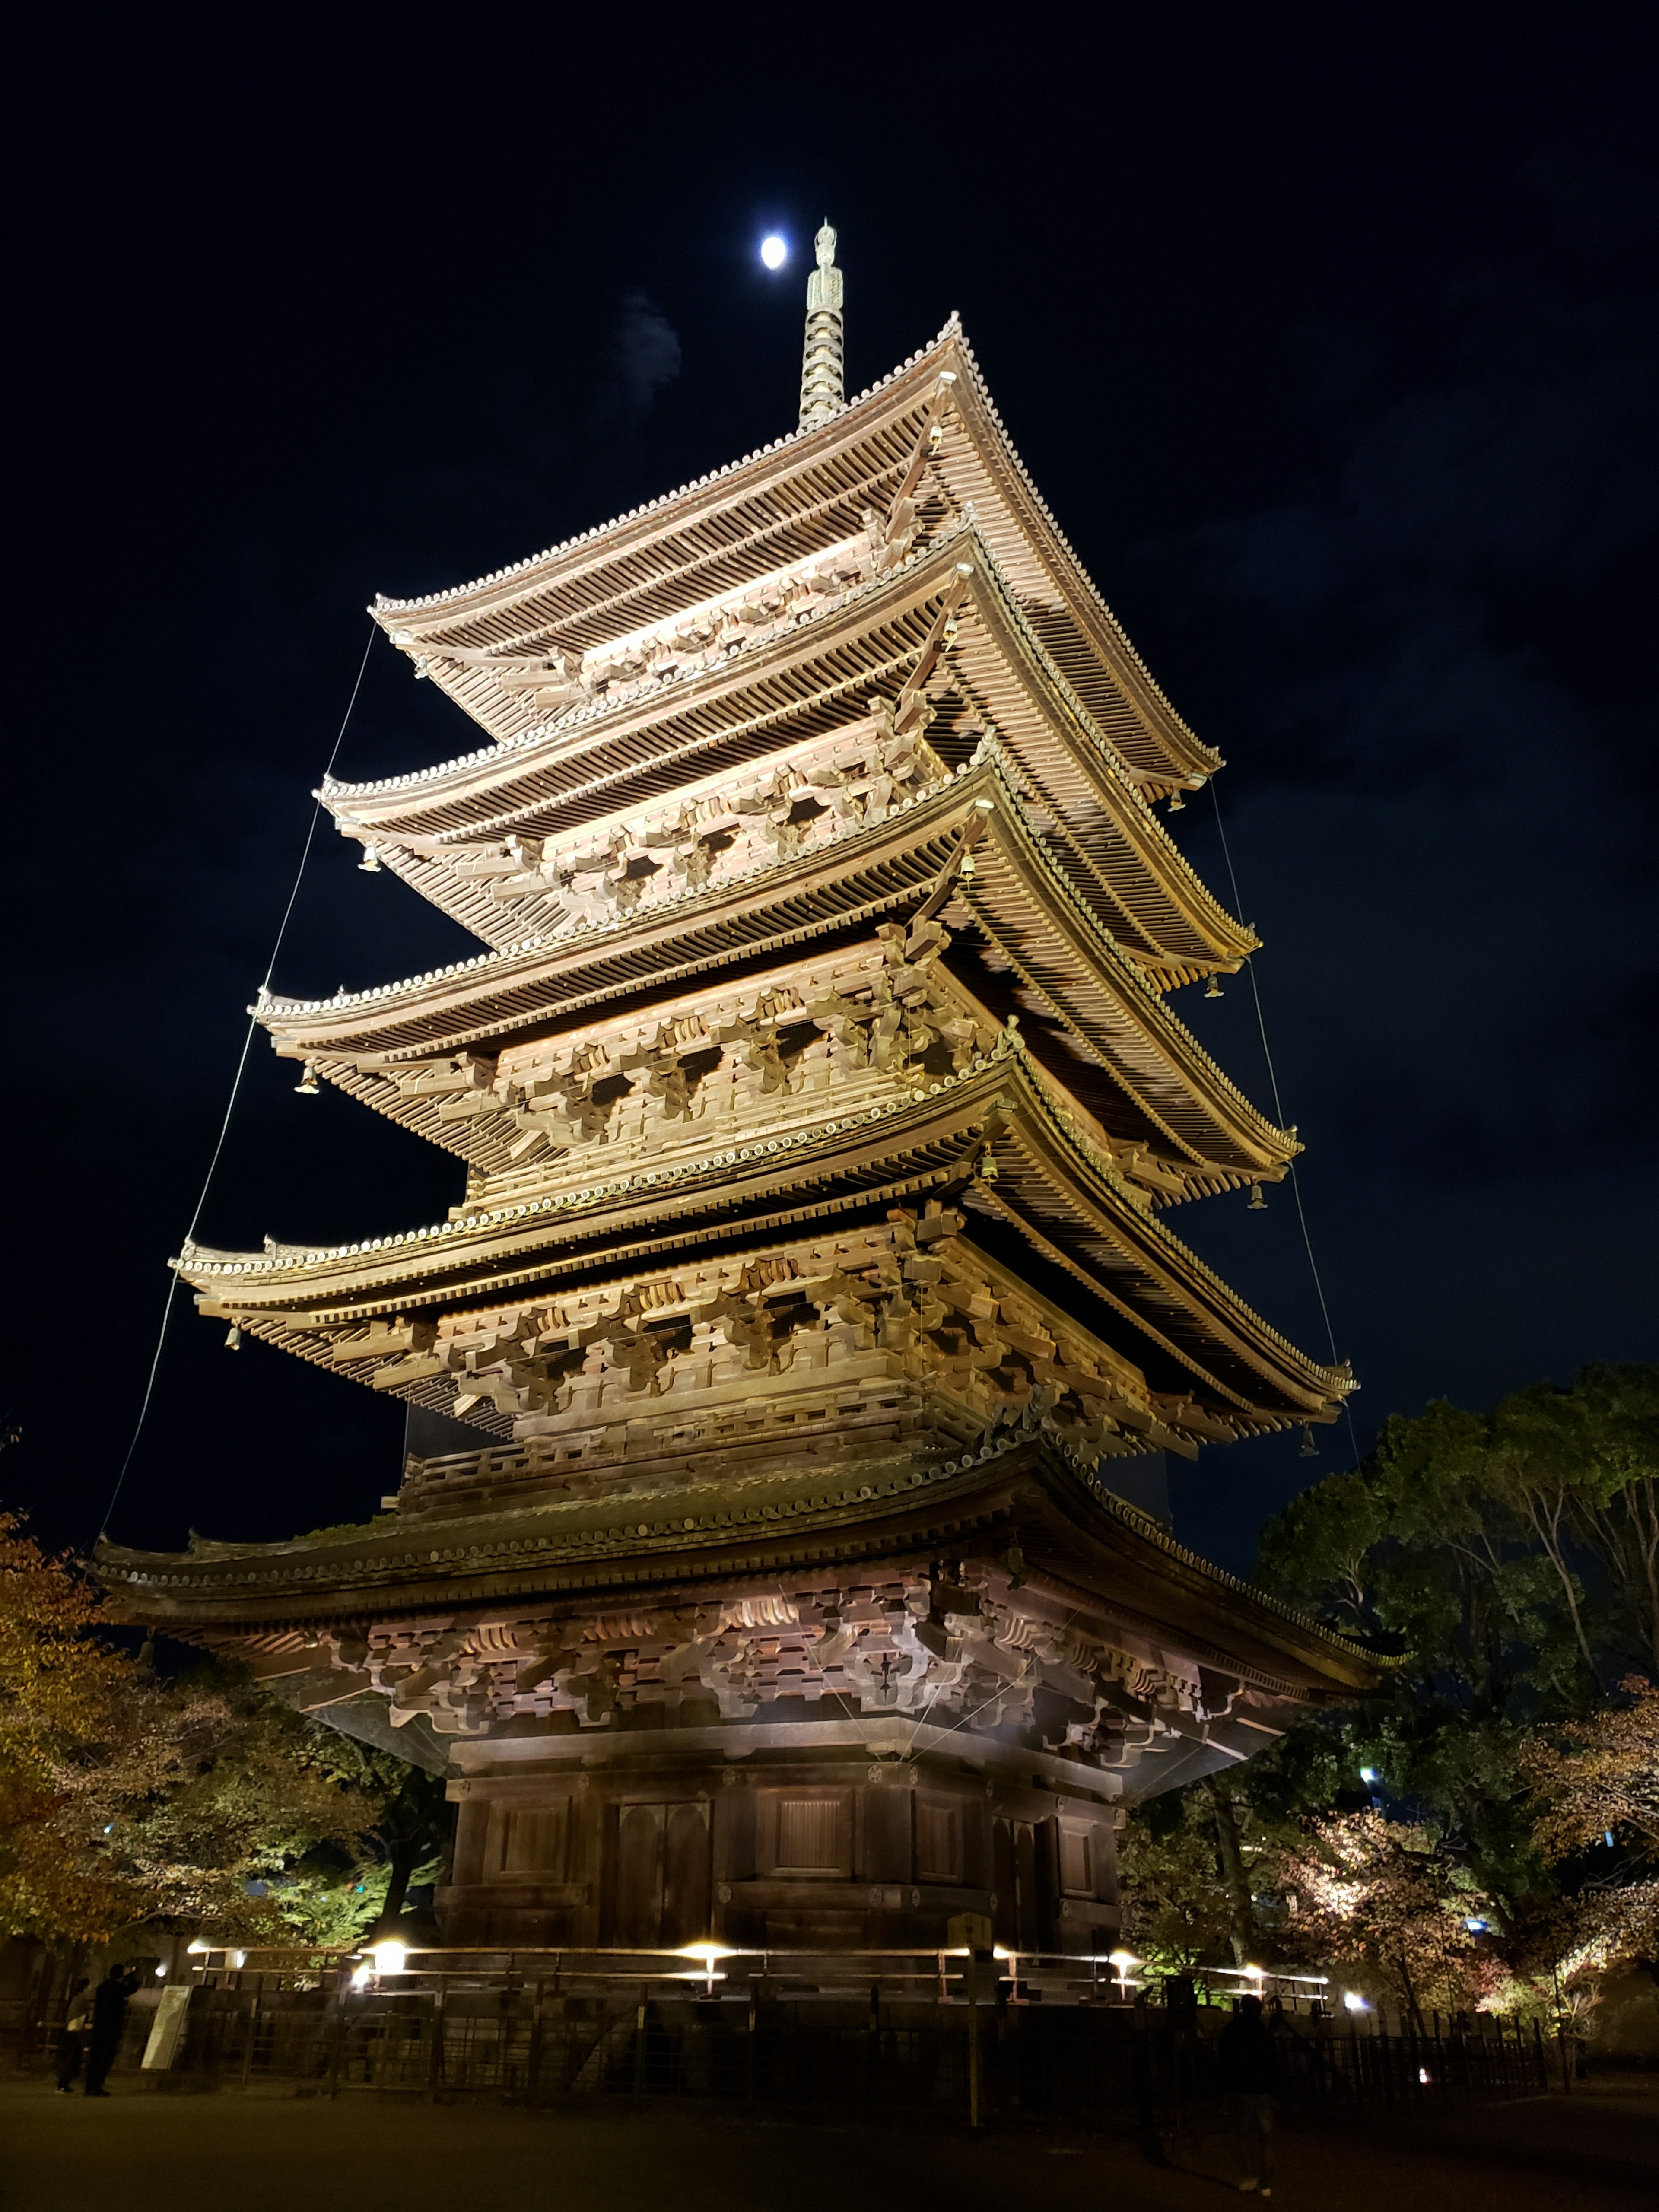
775	250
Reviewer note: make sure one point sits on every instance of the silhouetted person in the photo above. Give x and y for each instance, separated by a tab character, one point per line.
1249	2070
72	2044
109	2017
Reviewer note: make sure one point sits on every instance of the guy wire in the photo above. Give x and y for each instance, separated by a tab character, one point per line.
235	1088
1278	1115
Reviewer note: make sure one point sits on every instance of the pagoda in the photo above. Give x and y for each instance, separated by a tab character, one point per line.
767	1567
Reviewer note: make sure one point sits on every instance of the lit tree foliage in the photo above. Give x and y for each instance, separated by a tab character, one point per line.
125	1799
1600	1774
1391	1898
1509	1561
1510	1556
1176	1911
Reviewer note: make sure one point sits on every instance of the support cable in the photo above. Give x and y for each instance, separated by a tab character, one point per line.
1278	1115
235	1088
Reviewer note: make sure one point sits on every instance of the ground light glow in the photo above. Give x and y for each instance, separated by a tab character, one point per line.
775	250
705	1954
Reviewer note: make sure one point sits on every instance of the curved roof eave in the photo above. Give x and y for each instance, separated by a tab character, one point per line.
1101	967
525	1553
482	1256
1186	759
394	809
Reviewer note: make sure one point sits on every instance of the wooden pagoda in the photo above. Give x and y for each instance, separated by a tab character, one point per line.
810	1306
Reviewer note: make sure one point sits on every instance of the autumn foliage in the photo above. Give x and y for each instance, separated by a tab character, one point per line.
126	1800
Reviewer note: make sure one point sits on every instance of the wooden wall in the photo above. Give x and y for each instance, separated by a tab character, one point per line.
783	1853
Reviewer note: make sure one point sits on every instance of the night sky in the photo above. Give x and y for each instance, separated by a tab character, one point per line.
1329	336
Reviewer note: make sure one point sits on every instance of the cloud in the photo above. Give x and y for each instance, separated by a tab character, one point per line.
642	358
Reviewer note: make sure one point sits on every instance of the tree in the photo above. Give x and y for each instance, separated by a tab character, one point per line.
1508	1563
1389	1897
411	1822
1176	1911
1600	1774
60	1692
1581	1468
1616	1503
1235	1882
1594	1781
126	1800
1511	1557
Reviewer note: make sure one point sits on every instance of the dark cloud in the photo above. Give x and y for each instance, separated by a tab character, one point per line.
642	360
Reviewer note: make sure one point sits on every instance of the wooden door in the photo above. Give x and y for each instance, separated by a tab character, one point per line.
663	1887
1034	1873
1025	1886
639	1830
687	1891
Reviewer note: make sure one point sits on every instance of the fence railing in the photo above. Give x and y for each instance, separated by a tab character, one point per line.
903	2032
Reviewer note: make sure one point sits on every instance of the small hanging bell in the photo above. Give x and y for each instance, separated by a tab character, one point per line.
1258	1200
307	1086
1176	802
1309	1449
987	1167
370	863
950	629
967	868
234	1342
1215	990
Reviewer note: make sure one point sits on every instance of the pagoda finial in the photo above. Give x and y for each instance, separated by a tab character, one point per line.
823	390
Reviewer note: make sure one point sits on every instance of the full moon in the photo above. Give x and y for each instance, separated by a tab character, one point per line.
774	252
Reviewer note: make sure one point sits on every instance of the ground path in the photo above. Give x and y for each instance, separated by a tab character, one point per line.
142	2151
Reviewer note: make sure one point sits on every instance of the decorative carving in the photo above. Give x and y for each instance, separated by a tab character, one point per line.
973	1651
887	1012
781	812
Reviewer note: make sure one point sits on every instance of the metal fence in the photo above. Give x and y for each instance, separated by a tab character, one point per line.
904	2033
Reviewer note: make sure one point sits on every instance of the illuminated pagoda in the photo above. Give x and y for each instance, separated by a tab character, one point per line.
810	1311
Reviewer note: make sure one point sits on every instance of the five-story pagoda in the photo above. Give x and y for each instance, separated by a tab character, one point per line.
810	1305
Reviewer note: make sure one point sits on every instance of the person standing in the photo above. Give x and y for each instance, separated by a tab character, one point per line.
109	2017
1248	2078
72	2044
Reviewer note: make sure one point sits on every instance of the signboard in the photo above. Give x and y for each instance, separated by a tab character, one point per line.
169	2025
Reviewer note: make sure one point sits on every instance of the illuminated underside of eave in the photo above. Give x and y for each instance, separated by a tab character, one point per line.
1019	899
648	751
1061	1196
